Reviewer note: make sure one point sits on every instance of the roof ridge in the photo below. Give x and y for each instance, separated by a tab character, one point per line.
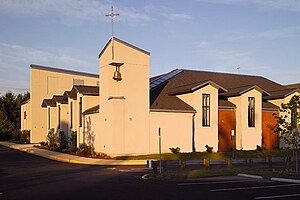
227	73
46	68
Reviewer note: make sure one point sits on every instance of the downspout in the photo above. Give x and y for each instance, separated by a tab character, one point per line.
193	133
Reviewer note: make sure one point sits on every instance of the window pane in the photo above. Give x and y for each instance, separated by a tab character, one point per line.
251	111
205	109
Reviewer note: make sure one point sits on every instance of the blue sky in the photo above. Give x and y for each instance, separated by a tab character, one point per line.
260	36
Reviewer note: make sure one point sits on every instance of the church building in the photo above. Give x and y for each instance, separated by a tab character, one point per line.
121	110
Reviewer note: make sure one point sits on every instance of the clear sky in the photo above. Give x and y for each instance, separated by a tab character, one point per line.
260	36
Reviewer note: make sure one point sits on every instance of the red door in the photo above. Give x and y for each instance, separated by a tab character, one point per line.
226	124
269	138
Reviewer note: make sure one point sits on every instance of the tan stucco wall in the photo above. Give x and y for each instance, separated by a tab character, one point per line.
91	130
25	123
53	120
64	118
204	135
176	131
87	102
248	137
44	84
124	118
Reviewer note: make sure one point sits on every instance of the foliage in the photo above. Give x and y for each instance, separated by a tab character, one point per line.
10	115
51	138
25	136
175	150
85	149
73	140
288	124
62	140
43	143
209	149
258	148
89	134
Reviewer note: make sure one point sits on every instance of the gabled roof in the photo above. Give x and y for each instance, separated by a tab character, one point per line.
92	110
52	69
84	90
48	102
269	106
243	89
161	100
278	94
66	95
26	101
226	104
122	42
58	99
163	95
295	85
195	86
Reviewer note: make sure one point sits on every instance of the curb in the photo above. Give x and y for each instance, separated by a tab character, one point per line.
74	161
145	176
285	180
250	176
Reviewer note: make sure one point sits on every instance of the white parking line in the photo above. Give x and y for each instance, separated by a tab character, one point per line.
279	196
215	182
252	188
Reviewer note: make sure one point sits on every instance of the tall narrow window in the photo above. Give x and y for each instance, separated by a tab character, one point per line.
71	115
80	111
25	115
205	109
58	116
49	119
251	112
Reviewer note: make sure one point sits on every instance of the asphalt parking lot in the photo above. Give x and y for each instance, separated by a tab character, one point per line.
27	176
245	188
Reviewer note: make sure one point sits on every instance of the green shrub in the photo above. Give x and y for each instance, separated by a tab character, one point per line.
209	149
43	143
25	137
51	138
62	140
258	148
73	140
175	150
85	149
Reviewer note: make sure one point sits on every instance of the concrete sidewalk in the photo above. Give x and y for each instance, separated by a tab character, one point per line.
70	158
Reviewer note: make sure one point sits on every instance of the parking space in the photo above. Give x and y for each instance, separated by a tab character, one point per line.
245	188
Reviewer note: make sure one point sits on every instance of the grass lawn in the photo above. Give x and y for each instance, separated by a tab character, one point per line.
212	156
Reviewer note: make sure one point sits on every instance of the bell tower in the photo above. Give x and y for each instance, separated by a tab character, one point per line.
124	98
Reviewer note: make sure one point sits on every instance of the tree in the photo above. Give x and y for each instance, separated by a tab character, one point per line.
288	126
10	115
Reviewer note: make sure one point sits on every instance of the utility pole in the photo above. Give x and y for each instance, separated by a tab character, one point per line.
159	138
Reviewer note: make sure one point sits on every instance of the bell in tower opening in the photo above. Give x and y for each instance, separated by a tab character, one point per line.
117	74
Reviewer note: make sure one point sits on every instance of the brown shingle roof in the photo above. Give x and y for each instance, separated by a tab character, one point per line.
48	102
160	100
66	95
85	90
226	104
92	110
57	99
296	85
163	96
277	94
269	106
